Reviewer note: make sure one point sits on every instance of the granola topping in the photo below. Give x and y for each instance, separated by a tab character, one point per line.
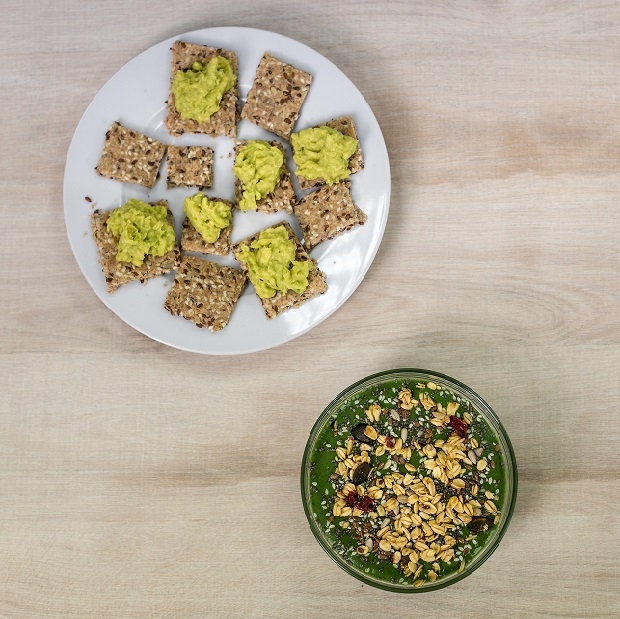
415	483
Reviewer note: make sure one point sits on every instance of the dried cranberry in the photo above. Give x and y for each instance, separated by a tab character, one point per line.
366	504
389	442
459	426
351	499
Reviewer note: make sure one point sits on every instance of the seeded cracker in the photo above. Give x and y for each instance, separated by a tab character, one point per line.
224	121
190	166
327	212
282	198
346	126
276	96
118	273
205	292
282	301
130	156
191	239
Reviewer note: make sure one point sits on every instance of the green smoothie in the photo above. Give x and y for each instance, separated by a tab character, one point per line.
407	481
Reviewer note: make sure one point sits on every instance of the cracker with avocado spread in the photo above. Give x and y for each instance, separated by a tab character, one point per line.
222	122
346	126
205	292
283	301
276	96
191	239
189	166
282	198
118	273
327	212
130	156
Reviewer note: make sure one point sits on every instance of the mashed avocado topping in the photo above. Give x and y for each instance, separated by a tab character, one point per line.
271	263
208	216
198	91
141	229
322	152
259	167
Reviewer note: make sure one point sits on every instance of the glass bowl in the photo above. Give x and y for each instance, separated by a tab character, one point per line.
390	529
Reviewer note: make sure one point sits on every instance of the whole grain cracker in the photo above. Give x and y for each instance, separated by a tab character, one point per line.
282	198
276	96
346	126
118	273
327	212
130	156
222	122
283	301
189	166
205	292
191	239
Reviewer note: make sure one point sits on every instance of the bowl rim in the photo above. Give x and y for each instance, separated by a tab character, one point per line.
484	554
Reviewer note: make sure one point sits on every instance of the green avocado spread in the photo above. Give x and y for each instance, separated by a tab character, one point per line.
322	152
198	91
141	229
258	165
271	264
208	216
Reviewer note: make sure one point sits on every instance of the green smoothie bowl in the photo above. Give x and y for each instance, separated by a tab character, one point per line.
408	480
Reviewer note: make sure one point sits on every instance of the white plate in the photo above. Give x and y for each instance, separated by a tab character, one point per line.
136	97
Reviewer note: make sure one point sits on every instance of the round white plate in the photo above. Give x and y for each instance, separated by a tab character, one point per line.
136	97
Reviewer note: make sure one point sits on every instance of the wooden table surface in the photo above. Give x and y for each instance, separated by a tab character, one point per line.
137	480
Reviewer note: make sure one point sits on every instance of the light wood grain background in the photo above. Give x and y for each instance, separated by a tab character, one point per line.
139	481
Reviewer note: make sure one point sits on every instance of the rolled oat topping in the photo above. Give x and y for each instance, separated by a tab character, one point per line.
412	491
